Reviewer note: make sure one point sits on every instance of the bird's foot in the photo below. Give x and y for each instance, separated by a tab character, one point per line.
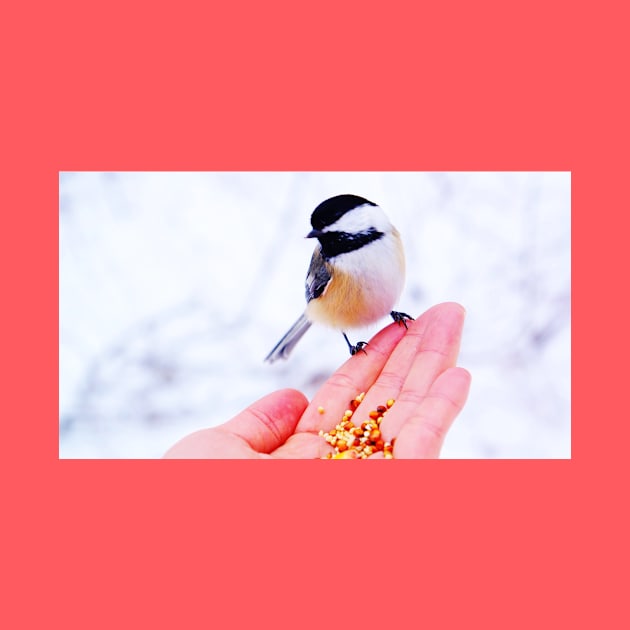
357	347
401	318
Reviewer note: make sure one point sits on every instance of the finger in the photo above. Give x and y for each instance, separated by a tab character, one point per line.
436	352
268	423
356	375
439	348
422	434
430	333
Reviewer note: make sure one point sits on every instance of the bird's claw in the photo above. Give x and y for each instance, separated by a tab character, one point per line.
401	318
358	347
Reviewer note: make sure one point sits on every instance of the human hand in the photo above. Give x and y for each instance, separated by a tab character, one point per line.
415	367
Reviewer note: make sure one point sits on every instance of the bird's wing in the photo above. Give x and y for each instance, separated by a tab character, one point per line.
318	276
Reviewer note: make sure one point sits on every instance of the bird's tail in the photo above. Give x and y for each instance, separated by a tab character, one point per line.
283	348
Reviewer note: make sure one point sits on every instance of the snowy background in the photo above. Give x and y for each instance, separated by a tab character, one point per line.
159	272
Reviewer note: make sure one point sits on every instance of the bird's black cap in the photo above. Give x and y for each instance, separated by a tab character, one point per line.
334	208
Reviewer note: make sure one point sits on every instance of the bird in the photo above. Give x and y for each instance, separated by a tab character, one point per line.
356	273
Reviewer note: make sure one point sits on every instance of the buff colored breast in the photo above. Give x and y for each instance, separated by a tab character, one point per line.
347	304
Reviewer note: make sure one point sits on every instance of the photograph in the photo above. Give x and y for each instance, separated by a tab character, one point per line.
315	315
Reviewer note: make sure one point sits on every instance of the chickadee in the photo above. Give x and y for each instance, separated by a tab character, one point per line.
356	273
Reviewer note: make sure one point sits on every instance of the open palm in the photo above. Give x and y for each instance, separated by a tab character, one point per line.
416	367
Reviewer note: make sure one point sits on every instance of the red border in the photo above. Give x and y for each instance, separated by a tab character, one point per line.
284	86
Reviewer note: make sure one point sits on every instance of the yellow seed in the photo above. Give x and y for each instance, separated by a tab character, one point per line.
390	402
347	413
350	454
321	410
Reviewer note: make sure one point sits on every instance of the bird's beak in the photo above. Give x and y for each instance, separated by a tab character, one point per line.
314	234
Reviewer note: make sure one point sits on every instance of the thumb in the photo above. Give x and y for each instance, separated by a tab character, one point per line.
266	424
